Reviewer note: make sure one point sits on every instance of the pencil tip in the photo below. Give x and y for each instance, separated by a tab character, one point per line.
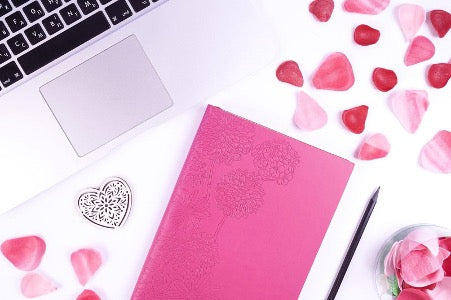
376	193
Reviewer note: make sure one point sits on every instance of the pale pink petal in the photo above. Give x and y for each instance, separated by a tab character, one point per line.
436	154
409	107
426	237
420	268
35	285
309	115
420	49
410	17
85	262
335	73
88	295
25	253
389	261
370	7
442	291
373	147
413	294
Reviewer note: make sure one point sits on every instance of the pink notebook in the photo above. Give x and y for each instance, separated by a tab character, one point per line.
247	215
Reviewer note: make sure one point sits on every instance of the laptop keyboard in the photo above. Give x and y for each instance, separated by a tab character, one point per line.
33	33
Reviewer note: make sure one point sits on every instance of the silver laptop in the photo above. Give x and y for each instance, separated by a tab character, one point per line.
79	77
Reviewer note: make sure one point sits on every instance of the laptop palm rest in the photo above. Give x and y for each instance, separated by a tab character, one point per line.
106	96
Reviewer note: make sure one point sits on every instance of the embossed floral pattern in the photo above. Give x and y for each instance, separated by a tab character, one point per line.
275	160
239	194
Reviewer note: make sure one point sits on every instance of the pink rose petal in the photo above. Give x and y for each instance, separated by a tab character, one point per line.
413	294
335	73
289	72
441	21
85	263
309	115
370	7
25	253
410	17
35	285
420	49
88	295
409	107
445	243
420	268
436	154
390	260
426	237
373	147
442	291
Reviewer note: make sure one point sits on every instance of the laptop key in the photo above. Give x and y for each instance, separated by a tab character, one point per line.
10	74
53	24
63	43
51	5
3	31
70	14
139	5
33	11
16	21
17	44
18	3
4	53
104	1
35	34
5	7
88	6
118	11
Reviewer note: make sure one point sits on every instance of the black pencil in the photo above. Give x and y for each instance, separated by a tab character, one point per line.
355	241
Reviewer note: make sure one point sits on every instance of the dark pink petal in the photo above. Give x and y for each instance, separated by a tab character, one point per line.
354	118
88	295
289	72
365	35
370	7
25	253
420	49
35	285
373	147
335	73
409	107
410	18
309	115
441	21
439	74
436	154
445	243
413	294
85	262
322	9
384	79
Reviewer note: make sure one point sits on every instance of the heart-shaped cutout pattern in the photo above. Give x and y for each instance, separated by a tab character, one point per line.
25	253
384	79
369	7
373	147
107	206
409	107
410	18
441	21
335	73
35	285
436	154
88	295
309	115
354	118
289	72
439	74
85	262
420	49
365	35
322	9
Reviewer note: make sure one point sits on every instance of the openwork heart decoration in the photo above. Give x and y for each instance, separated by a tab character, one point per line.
107	206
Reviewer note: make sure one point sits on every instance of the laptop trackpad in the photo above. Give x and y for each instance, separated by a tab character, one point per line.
106	96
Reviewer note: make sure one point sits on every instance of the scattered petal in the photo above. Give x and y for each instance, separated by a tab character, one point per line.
309	115
25	253
85	263
436	154
384	79
354	118
88	295
410	17
335	73
322	9
409	107
365	35
420	49
35	285
445	243
373	147
289	72
413	294
441	21
439	74
370	7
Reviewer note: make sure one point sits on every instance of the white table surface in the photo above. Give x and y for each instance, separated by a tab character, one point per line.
152	161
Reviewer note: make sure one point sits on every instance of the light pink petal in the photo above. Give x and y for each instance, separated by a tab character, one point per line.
409	107
389	261
420	268
335	73
25	253
413	294
420	49
442	291
85	262
373	147
88	295
410	17
370	7
436	154
309	115
35	285
426	237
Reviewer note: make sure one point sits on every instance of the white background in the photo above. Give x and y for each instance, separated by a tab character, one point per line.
152	161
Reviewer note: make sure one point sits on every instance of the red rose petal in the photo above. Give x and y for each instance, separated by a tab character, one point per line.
365	35
384	79
441	21
289	72
85	263
335	73
25	253
373	147
370	7
446	244
413	294
35	285
354	118
410	17
409	107
309	115
439	74
88	295
436	154
322	9
420	49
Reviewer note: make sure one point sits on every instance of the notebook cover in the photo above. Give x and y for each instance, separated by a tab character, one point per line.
246	217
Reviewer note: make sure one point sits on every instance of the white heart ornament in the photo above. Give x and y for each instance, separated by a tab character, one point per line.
107	206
